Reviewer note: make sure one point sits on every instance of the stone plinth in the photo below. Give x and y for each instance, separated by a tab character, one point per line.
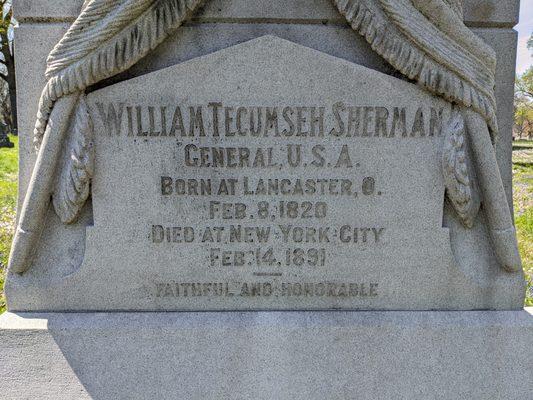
269	355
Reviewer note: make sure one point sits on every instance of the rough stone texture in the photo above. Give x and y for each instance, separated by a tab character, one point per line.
320	355
406	265
504	42
196	40
492	13
477	12
33	42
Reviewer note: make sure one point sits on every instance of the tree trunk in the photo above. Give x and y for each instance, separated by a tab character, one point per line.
9	62
12	85
4	139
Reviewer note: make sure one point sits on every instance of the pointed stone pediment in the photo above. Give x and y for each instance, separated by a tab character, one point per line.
277	60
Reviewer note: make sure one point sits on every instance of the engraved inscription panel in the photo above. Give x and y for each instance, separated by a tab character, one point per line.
269	176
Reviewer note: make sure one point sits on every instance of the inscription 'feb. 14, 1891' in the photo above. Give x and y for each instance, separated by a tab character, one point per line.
268	176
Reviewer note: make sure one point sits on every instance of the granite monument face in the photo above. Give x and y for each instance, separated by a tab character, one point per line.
268	175
232	155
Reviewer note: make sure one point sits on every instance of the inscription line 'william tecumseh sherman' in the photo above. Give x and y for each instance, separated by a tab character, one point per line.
425	40
216	120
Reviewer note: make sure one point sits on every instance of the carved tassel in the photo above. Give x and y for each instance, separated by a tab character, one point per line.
76	166
458	176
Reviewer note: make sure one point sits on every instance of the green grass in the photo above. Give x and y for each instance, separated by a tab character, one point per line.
523	208
528	144
8	201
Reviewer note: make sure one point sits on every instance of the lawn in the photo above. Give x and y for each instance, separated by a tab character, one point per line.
523	206
8	200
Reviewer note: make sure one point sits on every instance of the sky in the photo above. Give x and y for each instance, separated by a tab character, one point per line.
525	29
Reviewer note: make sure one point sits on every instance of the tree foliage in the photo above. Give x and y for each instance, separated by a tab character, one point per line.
523	99
8	107
523	126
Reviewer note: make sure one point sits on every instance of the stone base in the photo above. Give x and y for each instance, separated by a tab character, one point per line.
267	355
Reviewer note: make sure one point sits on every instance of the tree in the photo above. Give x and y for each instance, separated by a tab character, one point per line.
8	107
523	99
523	119
7	58
524	84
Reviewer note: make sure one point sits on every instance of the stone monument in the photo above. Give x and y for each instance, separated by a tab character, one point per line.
269	200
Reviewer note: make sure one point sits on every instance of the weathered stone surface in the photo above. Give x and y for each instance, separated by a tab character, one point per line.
46	10
382	244
34	42
503	41
192	41
320	355
492	13
477	12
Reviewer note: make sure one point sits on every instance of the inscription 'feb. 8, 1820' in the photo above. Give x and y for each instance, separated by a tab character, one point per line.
292	180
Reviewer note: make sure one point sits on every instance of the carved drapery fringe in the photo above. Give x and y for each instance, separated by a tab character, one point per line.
471	60
457	171
73	182
451	26
456	6
108	38
111	35
369	20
